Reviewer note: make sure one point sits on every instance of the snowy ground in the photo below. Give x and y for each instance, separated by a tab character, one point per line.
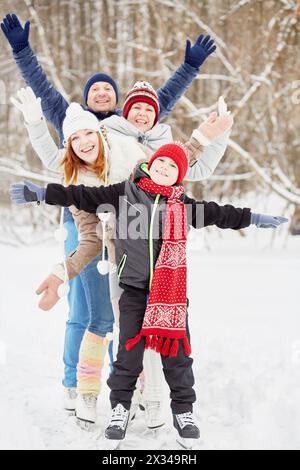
245	325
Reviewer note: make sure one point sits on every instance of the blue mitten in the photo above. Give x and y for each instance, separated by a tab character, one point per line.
195	55
14	32
25	191
267	221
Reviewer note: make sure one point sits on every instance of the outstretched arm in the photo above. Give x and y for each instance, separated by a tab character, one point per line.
207	157
40	137
177	84
53	103
82	197
202	214
208	143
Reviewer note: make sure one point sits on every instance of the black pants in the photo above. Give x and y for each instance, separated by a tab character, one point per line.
129	364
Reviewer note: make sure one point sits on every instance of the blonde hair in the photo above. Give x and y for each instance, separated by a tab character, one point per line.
72	164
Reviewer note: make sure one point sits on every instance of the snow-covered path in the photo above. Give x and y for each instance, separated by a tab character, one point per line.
245	326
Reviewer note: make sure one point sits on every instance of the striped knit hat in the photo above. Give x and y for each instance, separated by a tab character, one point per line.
141	92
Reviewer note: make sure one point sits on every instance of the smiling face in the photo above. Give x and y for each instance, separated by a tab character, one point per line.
101	97
164	171
142	116
85	144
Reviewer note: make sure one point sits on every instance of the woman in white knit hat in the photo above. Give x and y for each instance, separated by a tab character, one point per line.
85	160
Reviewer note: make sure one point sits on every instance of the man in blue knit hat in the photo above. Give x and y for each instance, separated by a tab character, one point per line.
101	93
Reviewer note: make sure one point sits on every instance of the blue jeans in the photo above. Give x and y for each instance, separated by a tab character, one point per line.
90	308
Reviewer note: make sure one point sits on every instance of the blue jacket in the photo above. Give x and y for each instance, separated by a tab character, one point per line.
54	104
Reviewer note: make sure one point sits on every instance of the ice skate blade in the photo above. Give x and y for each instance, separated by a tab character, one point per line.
85	425
109	444
187	443
153	428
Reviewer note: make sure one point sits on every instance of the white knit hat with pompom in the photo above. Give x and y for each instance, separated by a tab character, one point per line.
76	119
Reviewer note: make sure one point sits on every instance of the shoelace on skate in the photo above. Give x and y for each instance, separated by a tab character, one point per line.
185	419
90	400
119	417
152	404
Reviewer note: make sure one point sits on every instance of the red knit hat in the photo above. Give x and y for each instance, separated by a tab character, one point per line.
178	153
141	92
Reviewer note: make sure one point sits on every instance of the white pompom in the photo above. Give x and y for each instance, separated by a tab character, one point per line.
103	267
61	234
63	289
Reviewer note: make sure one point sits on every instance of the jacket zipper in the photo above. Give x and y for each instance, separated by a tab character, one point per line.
151	256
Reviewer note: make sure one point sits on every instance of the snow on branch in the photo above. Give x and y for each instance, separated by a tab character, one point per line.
46	51
269	67
19	172
219	42
236	177
276	187
235	8
287	194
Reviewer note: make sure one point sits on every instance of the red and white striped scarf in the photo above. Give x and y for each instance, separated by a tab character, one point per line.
165	317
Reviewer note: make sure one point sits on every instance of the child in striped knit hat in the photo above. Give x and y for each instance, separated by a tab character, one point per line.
153	305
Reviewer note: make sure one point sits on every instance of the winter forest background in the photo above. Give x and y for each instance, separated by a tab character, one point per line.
256	68
243	286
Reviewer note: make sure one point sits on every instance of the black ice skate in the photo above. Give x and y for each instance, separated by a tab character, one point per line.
116	429
188	433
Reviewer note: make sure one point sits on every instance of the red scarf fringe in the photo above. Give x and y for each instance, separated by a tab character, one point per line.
161	345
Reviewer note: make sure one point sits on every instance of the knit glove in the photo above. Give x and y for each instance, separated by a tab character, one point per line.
267	221
195	55
25	191
29	105
14	32
49	288
215	125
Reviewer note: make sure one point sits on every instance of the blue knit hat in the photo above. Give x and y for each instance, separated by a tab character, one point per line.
99	77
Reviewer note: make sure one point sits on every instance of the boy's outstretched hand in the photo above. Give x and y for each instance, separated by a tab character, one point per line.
267	221
49	288
26	191
14	32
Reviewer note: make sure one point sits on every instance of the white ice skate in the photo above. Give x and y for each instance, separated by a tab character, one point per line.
188	433
116	429
70	395
137	402
86	410
154	414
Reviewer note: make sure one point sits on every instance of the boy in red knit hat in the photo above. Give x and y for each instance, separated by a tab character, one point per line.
152	272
